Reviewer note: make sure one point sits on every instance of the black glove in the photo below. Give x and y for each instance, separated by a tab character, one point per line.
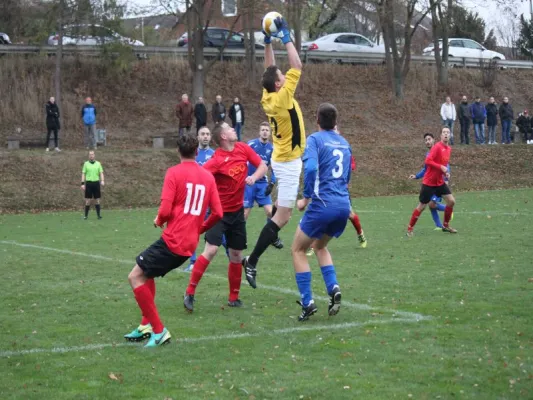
269	188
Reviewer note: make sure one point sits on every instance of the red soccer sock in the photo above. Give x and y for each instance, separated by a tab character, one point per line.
198	270
145	299
151	285
234	278
447	215
356	223
414	218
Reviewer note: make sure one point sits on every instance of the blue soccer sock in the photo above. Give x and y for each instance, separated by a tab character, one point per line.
303	280
441	206
436	218
330	277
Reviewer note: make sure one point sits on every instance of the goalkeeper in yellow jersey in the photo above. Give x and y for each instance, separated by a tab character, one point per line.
288	137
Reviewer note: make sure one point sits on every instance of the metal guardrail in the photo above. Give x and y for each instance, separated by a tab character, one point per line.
307	56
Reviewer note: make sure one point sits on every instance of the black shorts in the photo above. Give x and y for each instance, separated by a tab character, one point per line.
233	226
427	192
92	190
158	260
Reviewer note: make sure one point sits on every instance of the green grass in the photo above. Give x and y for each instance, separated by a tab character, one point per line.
474	285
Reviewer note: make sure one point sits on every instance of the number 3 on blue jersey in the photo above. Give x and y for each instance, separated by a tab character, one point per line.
337	172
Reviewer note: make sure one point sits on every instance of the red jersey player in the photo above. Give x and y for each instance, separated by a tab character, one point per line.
230	168
188	190
433	184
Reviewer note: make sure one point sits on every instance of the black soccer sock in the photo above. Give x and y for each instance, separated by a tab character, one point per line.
97	206
274	209
87	211
267	236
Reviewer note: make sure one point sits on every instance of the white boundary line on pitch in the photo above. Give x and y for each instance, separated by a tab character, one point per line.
513	214
365	307
229	336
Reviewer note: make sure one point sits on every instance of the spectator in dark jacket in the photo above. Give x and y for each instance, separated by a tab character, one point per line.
184	112
200	113
464	120
218	111
236	114
492	119
524	126
52	123
479	114
506	116
88	115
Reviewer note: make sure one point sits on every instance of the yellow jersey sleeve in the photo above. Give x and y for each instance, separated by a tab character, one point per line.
286	93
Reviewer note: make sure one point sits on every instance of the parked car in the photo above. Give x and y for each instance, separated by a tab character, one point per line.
465	48
90	35
344	42
216	37
4	38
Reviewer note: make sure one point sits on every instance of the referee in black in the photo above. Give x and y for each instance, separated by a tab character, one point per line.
92	176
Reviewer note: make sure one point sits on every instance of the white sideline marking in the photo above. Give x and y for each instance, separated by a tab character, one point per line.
513	214
365	307
229	336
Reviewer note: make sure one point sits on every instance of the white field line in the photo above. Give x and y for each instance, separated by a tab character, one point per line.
214	338
365	307
512	214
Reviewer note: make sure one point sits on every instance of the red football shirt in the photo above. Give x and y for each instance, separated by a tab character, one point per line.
230	170
438	156
188	190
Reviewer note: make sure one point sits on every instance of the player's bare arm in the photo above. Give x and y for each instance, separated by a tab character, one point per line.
261	171
269	55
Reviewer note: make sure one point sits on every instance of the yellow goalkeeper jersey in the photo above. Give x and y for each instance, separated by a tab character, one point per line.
285	118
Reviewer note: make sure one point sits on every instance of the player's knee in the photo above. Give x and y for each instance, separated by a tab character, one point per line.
134	276
432	205
210	251
451	202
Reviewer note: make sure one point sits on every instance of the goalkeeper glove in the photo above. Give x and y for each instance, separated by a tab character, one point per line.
283	32
269	188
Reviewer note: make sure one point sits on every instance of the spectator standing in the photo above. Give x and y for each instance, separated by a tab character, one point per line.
524	126
236	114
219	110
506	116
88	115
200	113
492	119
184	112
448	115
52	123
479	114
464	120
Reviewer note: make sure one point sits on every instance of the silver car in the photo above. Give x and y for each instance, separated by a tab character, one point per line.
4	38
465	48
90	35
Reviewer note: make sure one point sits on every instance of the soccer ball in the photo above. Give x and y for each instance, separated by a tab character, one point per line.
269	26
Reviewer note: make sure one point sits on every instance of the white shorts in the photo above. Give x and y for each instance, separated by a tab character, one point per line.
288	178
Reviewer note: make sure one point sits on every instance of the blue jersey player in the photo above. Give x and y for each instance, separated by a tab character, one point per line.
204	155
435	205
327	161
260	192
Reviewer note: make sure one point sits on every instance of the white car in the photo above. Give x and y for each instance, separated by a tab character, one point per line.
465	48
4	38
344	42
90	35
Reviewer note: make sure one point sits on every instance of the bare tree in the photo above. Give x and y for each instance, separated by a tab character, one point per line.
325	14
441	20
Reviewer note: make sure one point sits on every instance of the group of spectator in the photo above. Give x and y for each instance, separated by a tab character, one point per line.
480	114
185	112
88	117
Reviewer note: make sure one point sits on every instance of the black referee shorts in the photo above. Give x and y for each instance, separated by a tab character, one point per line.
158	260
427	192
92	190
233	226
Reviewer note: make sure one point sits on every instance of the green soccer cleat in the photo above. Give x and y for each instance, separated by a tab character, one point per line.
362	240
310	252
159	339
140	333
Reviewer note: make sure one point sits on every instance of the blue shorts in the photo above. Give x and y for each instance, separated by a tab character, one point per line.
256	193
436	199
325	221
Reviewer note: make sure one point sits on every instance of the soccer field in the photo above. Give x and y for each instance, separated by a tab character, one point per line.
435	316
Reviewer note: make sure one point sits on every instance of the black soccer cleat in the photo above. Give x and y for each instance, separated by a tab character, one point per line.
250	272
278	243
235	303
188	302
307	311
334	300
99	217
449	229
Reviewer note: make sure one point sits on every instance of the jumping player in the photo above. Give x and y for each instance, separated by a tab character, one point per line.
326	161
229	166
288	136
433	183
188	190
435	204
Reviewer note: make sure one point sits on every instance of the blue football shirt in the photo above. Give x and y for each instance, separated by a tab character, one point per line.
263	150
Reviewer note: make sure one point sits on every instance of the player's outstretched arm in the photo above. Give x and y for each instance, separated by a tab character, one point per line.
269	55
284	34
293	56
